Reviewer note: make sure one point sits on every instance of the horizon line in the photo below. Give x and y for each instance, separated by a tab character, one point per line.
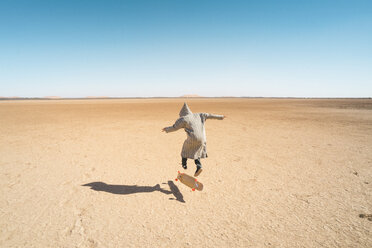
172	97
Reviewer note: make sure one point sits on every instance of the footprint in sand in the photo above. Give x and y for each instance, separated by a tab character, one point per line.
92	243
77	231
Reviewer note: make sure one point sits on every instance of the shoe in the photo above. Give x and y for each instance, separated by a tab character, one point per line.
184	166
198	171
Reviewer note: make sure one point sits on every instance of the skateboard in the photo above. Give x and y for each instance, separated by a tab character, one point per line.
189	181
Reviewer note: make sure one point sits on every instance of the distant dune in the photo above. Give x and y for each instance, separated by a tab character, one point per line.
9	97
52	97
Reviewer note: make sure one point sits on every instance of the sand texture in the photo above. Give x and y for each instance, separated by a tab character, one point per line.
100	173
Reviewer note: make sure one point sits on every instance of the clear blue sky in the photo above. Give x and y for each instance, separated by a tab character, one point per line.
313	48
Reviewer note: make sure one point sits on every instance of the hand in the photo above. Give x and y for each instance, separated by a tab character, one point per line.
224	116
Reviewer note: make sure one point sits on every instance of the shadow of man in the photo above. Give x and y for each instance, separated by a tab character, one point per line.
133	189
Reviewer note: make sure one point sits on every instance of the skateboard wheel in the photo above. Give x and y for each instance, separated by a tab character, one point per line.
196	180
176	179
193	189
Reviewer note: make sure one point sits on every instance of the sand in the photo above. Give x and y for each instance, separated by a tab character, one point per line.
100	173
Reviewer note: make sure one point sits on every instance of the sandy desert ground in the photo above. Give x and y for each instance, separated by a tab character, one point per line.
100	173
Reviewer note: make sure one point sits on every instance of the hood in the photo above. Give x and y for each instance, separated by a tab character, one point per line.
185	110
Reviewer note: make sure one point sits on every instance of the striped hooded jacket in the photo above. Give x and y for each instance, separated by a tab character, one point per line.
195	146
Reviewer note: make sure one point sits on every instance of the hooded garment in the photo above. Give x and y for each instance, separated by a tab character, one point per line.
195	146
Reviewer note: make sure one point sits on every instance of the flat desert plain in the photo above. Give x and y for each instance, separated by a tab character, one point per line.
100	173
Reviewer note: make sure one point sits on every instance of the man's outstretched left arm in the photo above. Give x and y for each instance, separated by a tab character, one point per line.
180	123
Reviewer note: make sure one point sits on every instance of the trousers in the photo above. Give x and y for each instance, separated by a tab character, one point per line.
197	162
